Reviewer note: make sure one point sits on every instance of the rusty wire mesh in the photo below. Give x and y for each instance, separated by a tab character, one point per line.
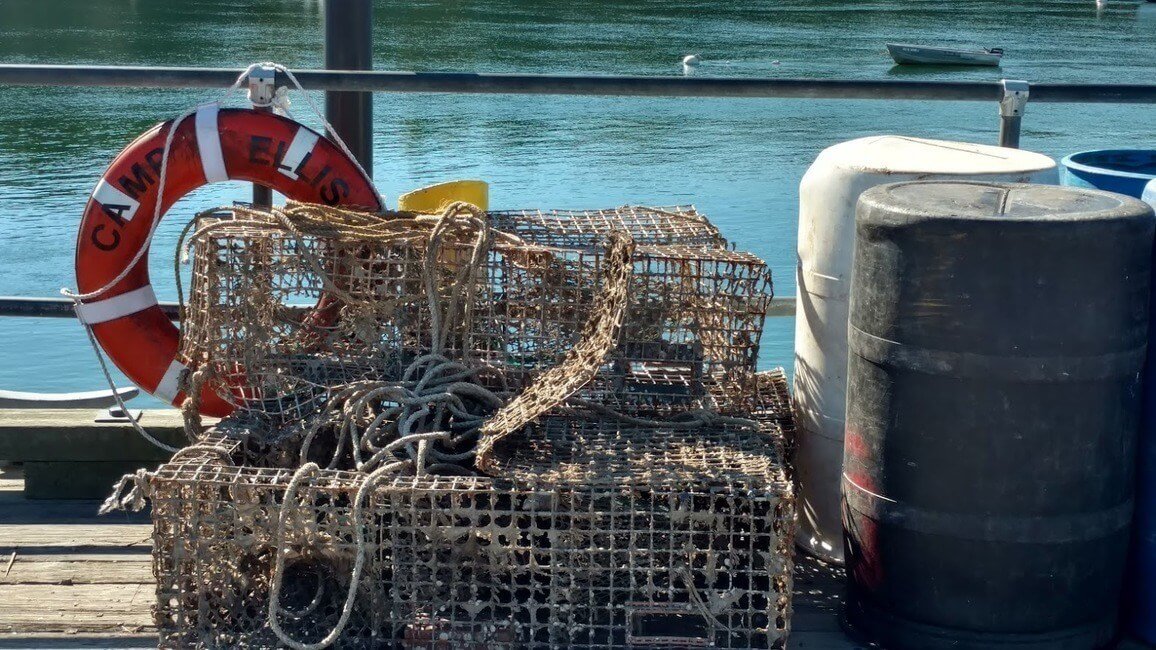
590	535
262	318
648	226
650	508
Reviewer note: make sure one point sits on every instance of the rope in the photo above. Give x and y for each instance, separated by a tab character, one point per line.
132	491
134	499
283	104
77	298
279	101
120	402
369	482
195	383
599	337
429	379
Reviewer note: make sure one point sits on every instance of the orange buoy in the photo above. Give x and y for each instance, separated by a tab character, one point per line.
214	145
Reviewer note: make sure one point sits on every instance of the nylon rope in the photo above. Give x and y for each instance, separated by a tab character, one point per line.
279	101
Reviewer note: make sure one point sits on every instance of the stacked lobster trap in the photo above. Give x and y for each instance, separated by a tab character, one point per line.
506	430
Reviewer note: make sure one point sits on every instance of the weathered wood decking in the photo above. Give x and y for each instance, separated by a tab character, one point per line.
79	581
69	579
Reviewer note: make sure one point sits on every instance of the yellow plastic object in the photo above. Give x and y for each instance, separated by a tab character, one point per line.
435	198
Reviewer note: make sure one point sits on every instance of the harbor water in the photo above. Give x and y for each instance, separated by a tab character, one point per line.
739	161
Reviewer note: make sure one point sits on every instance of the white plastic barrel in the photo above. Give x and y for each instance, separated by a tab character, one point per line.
827	197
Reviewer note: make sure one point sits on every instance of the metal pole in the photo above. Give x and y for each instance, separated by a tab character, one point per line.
1011	112
262	87
58	307
349	46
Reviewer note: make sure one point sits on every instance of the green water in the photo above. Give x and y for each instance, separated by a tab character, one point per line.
739	160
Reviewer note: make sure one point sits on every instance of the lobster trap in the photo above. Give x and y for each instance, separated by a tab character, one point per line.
281	312
680	225
590	534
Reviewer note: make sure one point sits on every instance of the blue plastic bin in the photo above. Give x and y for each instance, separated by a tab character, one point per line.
1132	172
1125	171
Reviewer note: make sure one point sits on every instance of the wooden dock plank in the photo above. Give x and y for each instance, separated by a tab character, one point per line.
73	435
68	641
74	538
76	569
69	455
89	479
76	609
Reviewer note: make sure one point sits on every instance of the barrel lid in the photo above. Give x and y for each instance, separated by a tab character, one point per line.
896	154
1004	201
1127	163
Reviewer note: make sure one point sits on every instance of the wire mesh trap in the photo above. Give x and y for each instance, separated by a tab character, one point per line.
680	225
506	430
591	534
280	312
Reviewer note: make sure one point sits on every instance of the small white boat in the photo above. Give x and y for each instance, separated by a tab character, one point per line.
919	54
12	399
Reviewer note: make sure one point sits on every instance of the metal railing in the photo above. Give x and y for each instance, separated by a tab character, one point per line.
350	82
62	307
552	84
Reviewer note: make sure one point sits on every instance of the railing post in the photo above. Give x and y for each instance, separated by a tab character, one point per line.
262	88
1011	112
349	46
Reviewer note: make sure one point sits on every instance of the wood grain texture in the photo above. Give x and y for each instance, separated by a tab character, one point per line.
116	608
74	538
76	569
71	434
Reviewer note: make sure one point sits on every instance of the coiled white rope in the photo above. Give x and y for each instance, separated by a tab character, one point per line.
306	471
431	386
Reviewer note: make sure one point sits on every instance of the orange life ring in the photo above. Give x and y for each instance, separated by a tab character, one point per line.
213	145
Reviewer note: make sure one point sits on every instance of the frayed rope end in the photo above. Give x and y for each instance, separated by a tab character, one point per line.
130	493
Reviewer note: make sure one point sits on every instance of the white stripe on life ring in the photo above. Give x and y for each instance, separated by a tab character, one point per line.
114	201
209	144
116	307
303	142
170	384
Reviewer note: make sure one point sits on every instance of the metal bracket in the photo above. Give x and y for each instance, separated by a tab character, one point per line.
1014	99
116	414
262	86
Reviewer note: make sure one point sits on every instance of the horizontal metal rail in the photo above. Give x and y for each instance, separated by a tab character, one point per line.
455	82
56	307
62	307
537	84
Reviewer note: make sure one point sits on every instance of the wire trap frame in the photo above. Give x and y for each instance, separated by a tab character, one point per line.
281	313
592	534
679	225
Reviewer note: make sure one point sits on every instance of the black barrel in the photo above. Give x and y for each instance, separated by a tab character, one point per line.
997	334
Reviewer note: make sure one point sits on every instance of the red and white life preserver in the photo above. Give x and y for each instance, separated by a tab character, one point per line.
213	145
